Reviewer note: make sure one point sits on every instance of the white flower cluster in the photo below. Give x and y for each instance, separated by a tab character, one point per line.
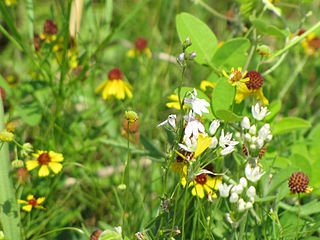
238	194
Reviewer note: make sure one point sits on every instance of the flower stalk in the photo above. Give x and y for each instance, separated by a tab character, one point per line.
9	208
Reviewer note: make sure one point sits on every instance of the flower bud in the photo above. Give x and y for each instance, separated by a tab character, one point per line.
234	198
249	205
245	123
243	182
253	147
214	126
251	192
247	137
237	189
241	205
131	116
193	55
17	163
187	43
180	59
252	130
253	139
269	138
263	50
259	143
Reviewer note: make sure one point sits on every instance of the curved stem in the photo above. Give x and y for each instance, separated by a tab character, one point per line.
215	12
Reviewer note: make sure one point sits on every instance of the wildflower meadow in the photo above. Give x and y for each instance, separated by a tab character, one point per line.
168	119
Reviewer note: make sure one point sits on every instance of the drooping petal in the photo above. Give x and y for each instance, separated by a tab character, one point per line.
261	97
198	191
27	208
43	171
29	197
31	164
40	200
55	167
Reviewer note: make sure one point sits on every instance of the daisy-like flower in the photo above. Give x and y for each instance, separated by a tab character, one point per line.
140	47
311	44
235	76
199	106
115	86
32	202
251	88
205	183
175	102
259	112
253	174
6	136
45	160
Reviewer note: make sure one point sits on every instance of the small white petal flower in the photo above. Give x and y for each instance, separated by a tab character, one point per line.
249	205
245	123
199	106
253	130
269	138
251	192
227	150
253	174
264	131
243	182
171	120
214	143
253	147
259	143
234	198
224	189
225	140
190	144
214	126
259	112
193	128
247	137
253	139
241	205
238	189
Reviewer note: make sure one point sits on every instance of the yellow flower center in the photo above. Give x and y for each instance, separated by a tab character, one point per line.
201	179
44	159
235	76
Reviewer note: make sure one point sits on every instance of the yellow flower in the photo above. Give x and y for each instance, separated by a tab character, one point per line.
251	88
311	44
204	183
45	160
10	2
32	202
235	76
115	86
202	144
175	102
6	136
204	84
140	48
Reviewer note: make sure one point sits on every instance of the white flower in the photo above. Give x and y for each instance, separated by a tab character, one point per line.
214	142
227	150
241	205
224	189
249	205
259	112
264	131
214	126
190	144
251	192
193	127
243	182
237	189
198	105
225	140
269	138
247	137
253	174
245	123
253	130
259	143
234	198
171	120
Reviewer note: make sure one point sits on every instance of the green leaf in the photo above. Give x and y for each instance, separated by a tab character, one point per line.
290	124
302	163
223	95
153	151
264	27
232	54
110	235
30	112
274	110
228	116
204	42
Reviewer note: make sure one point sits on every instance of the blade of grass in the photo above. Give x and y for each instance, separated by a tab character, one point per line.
30	17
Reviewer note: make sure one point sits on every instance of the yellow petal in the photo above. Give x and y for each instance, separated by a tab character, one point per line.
198	191
43	171
175	105
101	86
27	208
260	96
56	157
30	196
22	201
131	53
40	207
183	181
147	51
31	164
202	144
55	167
204	84
40	200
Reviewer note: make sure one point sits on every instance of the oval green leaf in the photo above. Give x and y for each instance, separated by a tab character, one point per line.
223	95
290	124
204	42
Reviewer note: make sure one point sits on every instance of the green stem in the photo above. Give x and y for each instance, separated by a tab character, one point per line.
9	216
215	12
184	211
297	227
62	229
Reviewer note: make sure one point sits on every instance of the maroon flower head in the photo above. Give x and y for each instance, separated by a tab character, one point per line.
141	44
298	182
255	80
115	73
50	27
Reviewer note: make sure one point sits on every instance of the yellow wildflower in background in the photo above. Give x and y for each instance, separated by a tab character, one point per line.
140	48
311	44
235	76
32	202
6	136
115	86
204	84
175	102
10	2
251	88
45	160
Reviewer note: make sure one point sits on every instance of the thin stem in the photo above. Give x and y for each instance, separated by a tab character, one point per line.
184	212
215	12
297	227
